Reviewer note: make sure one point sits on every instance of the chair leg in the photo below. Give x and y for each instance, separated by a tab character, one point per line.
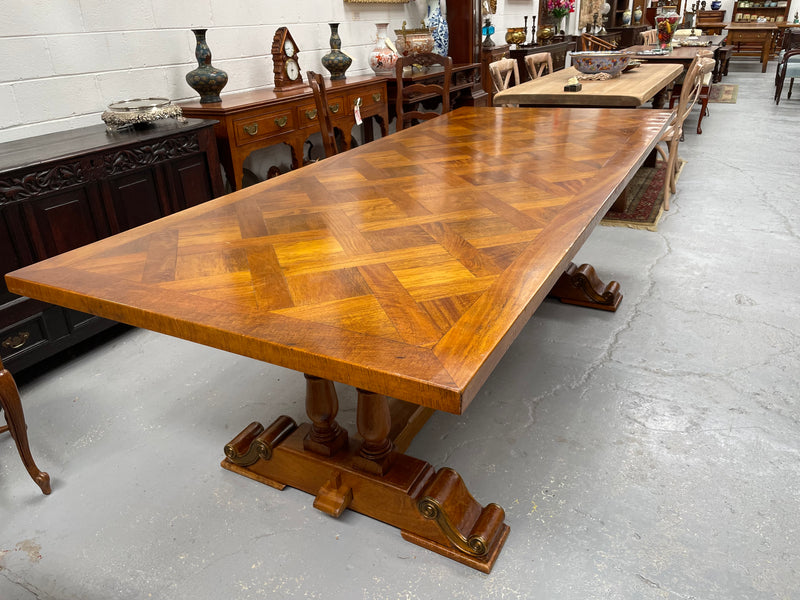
703	111
11	405
791	83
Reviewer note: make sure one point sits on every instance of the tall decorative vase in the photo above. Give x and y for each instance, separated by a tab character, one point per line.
437	23
666	23
637	15
336	61
206	80
382	58
626	17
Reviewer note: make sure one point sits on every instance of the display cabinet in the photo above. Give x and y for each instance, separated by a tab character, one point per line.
747	11
63	190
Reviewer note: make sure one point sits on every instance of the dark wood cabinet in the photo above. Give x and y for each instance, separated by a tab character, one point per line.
64	190
630	35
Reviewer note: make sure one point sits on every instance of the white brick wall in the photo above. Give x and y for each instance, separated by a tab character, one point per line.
64	61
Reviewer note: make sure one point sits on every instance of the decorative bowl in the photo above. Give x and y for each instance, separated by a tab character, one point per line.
610	62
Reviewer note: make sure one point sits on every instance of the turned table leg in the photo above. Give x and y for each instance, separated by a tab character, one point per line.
12	407
374	423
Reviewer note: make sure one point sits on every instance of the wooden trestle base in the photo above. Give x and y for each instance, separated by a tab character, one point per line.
371	475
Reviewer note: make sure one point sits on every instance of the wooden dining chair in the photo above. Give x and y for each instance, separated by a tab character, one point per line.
701	66
317	83
788	64
650	37
11	407
705	90
592	43
536	64
502	71
411	93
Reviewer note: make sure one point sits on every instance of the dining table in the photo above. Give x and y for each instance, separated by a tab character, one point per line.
628	90
683	50
404	268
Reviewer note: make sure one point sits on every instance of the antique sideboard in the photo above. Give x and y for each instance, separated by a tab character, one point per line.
63	190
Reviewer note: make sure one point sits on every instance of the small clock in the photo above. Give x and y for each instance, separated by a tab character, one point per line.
286	67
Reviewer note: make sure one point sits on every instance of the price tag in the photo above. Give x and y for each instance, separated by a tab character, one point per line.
357	111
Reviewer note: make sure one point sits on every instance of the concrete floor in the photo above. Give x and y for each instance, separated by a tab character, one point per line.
647	454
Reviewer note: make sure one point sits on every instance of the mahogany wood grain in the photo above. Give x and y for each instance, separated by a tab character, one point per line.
11	406
630	89
405	267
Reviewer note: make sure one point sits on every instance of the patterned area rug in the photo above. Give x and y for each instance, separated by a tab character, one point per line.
723	93
644	201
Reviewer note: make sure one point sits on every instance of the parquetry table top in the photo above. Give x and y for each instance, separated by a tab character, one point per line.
405	267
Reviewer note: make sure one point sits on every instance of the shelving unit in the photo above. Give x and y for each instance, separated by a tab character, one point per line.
747	11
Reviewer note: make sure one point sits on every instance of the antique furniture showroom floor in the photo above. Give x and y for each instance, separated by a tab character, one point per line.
645	453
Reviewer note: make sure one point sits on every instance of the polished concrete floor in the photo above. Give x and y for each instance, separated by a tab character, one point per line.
648	454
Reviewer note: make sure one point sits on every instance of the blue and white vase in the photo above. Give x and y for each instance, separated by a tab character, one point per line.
437	23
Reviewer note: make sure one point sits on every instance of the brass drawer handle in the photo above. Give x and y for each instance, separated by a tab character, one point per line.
334	107
281	121
376	97
251	129
16	341
311	114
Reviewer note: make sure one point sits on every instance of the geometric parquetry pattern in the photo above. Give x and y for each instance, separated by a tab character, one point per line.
406	266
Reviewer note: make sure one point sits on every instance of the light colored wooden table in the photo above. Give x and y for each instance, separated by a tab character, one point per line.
754	33
405	268
630	89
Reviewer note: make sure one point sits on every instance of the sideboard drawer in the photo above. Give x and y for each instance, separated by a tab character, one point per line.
307	113
264	126
373	96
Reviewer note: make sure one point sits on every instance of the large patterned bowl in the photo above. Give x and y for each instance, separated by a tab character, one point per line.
601	62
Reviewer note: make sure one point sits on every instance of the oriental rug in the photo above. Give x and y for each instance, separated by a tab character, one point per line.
644	202
723	93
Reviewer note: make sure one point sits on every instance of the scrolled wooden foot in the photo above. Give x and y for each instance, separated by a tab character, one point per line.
476	533
581	286
255	442
11	406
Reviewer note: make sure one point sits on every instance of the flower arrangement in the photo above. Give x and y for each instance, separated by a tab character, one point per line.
560	8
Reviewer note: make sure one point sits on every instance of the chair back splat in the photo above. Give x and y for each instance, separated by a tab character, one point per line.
502	71
591	42
317	83
537	63
422	84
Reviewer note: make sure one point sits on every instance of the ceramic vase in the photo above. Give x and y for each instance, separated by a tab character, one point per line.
382	58
626	17
336	61
437	23
206	80
637	16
